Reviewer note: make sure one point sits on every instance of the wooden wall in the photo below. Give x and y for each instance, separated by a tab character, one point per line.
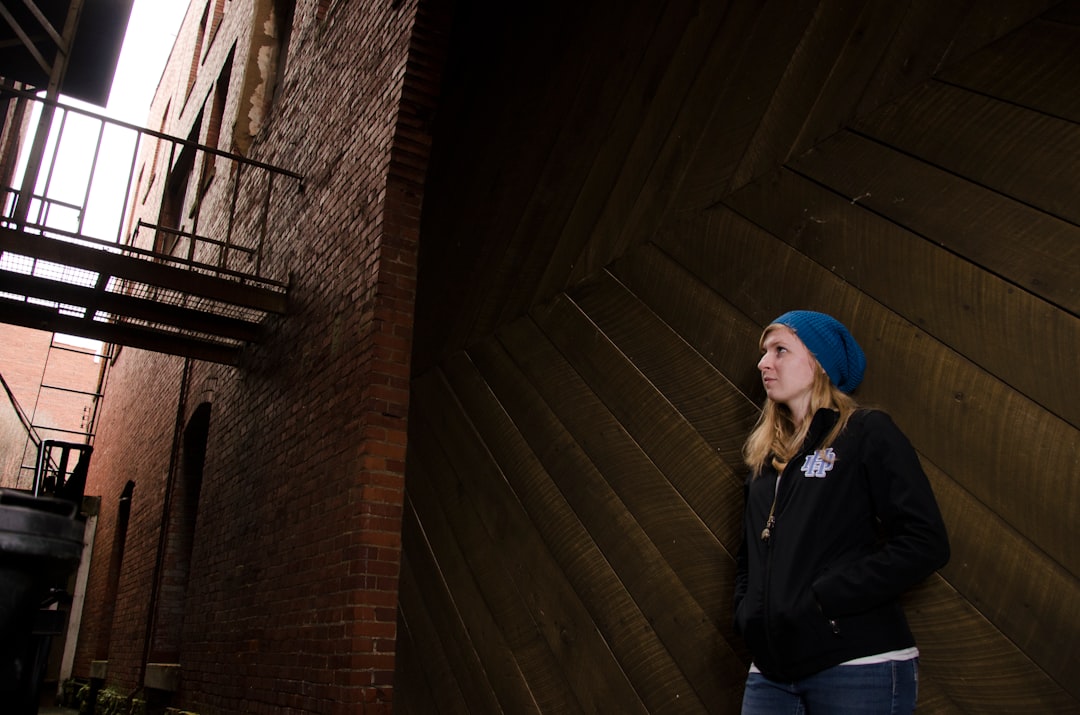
621	196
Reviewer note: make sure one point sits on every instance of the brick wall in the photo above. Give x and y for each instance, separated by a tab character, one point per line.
134	443
290	605
13	440
64	407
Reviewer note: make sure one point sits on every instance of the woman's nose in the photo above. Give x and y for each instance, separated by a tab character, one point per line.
761	364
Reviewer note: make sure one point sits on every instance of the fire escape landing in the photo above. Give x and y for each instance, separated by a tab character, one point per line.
70	180
165	286
132	298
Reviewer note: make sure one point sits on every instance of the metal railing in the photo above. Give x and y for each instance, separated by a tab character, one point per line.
80	173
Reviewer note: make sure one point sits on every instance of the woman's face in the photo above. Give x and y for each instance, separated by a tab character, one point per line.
787	370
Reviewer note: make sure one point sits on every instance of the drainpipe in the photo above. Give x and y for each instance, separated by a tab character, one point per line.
166	507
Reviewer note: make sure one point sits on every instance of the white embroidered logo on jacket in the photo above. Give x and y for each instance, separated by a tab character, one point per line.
819	463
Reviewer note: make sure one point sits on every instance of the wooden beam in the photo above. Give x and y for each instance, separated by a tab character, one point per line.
1034	67
422	660
1029	156
431	603
636	517
1002	236
550	604
945	292
521	670
597	545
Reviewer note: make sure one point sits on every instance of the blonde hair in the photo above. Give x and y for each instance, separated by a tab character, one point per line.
776	438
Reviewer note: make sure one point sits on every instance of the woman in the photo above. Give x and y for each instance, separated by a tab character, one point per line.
840	520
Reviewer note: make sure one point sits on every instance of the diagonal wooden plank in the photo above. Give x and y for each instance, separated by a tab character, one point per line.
1005	237
422	667
558	85
714	327
1035	66
535	543
977	673
989	20
479	504
680	596
629	385
641	115
823	82
625	603
617	70
694	386
687	162
994	581
924	38
506	650
1031	157
678	490
948	296
426	599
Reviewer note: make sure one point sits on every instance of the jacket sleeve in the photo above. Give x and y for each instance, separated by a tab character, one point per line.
914	540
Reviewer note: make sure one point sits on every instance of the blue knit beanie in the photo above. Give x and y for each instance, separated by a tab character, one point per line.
832	345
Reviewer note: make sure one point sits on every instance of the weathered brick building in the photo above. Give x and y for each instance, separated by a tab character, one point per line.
289	468
488	458
54	382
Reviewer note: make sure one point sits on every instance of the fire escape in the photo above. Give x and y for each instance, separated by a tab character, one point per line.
112	232
160	282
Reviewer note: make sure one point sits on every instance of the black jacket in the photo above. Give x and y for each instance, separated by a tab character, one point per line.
850	538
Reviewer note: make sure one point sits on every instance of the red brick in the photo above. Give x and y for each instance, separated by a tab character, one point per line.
296	552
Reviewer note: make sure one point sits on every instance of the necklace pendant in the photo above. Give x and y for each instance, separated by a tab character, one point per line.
767	531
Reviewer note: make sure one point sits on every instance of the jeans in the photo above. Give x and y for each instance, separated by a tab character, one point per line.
877	689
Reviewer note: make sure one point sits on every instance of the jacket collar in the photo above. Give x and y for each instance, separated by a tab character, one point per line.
823	421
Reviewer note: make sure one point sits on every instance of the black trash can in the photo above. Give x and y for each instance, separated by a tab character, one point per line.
40	546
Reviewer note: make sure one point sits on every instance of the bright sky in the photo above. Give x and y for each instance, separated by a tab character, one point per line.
151	32
150	35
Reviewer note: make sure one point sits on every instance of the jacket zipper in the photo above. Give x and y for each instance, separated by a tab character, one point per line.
771	526
769	540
